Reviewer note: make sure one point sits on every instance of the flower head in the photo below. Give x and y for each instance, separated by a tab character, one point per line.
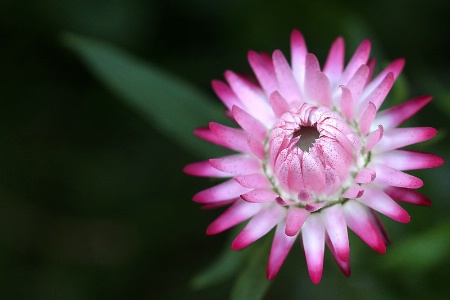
315	155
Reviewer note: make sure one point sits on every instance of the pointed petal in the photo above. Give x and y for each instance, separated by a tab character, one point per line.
394	116
343	265
223	191
373	138
254	101
320	89
365	175
400	137
335	61
379	226
225	94
358	81
258	226
389	176
203	168
260	196
395	67
279	104
236	164
298	54
313	173
235	214
295	219
232	138
263	68
359	221
286	81
359	58
253	181
347	103
408	160
378	95
367	118
407	196
354	191
313	236
281	246
249	123
256	147
334	220
379	201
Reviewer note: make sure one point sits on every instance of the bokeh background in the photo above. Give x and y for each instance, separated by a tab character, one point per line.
93	202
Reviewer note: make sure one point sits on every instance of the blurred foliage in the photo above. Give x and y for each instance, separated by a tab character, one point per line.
93	203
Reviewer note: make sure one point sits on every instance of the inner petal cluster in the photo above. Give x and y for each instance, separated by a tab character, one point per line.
308	170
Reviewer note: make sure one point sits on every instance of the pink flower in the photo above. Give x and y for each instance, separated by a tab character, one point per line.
314	154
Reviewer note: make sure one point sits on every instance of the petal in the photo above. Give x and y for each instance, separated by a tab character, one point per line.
258	226
395	67
358	219
253	181
379	226
367	118
224	191
256	147
359	58
378	95
379	201
279	104
313	236
408	160
407	196
281	246
225	94
260	196
236	164
334	220
298	54
232	138
235	214
295	219
334	64
394	116
358	81
354	191
389	176
400	137
249	123
343	265
313	173
203	168
346	103
286	81
373	138
263	68
253	99
365	175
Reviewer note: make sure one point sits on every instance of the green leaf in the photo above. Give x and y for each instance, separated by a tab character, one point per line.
172	106
421	252
252	283
226	265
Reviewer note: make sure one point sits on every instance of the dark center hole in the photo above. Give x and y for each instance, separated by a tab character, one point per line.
308	136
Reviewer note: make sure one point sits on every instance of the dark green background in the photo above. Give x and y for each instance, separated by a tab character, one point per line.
93	203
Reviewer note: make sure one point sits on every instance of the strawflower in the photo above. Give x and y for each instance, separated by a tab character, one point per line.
314	154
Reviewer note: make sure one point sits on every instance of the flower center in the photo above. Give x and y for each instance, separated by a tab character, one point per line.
309	156
308	136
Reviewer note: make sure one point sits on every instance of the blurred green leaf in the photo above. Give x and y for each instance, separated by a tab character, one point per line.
252	283
421	252
228	264
172	106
